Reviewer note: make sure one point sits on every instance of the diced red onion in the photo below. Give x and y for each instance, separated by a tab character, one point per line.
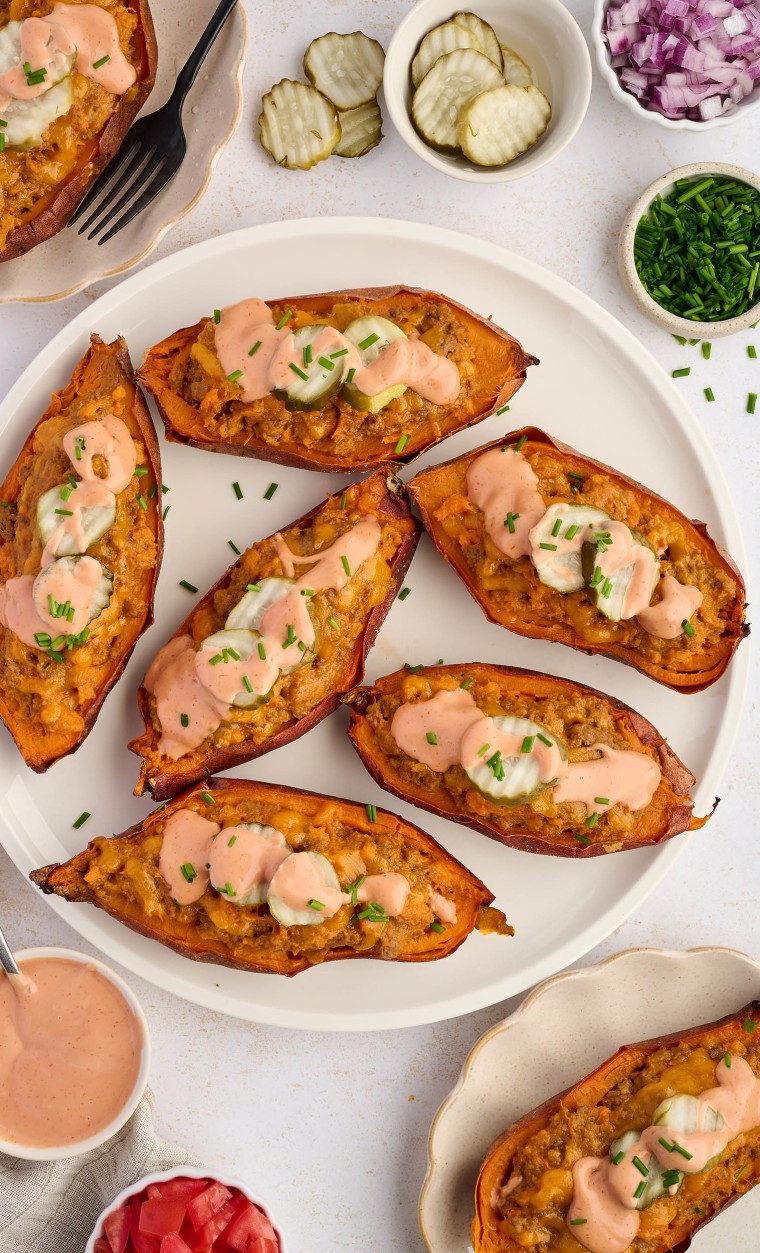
685	58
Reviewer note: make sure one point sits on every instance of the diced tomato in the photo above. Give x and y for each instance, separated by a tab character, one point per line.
116	1229
142	1243
203	1207
102	1245
182	1187
249	1224
264	1245
174	1244
162	1216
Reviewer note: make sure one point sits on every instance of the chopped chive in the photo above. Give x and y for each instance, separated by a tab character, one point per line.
237	489
413	669
346	566
64	513
163	515
79	447
164	489
509	522
231	841
709	394
522	440
743	1171
667	1147
437	927
557	527
617	1159
369	341
307	355
681	374
687	628
315	904
262	650
640	1190
371	813
81	820
140	470
405	591
727	1060
297	370
332	622
706	349
184	720
527	744
431	737
577	478
544	740
592	820
247	683
601	800
252	351
285	318
466	683
699	1211
234	547
152	490
680	339
307	591
641	1168
606	588
571	531
582	839
214	661
188	871
217	316
325	363
269	493
234	655
751	402
496	765
302	646
350	376
677	1149
208	798
230	891
402	443
552	548
343	499
189	587
142	502
752	351
340	353
253	587
578	1222
482	751
749	1025
290	638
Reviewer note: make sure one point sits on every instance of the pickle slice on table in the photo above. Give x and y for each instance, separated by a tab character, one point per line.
347	69
298	126
361	130
442	39
485	35
500	124
456	79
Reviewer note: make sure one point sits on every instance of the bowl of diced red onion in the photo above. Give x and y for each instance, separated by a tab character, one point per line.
685	64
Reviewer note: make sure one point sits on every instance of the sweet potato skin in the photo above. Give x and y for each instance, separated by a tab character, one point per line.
55	214
486	1236
502	365
510	617
34	753
67	879
665	818
167	782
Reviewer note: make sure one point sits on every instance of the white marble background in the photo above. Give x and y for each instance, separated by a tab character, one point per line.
332	1130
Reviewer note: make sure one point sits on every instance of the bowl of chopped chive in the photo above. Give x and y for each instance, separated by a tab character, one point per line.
689	250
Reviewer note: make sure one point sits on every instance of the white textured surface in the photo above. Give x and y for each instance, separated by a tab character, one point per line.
323	1127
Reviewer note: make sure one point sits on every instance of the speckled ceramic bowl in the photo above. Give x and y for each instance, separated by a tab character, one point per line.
627	266
180	1172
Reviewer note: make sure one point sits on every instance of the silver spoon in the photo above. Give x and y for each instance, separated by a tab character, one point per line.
19	982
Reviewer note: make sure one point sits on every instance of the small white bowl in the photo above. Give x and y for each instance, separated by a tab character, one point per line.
627	266
543	33
632	103
180	1172
54	1153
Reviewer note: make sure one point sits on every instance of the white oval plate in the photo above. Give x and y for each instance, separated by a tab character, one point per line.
596	388
561	1032
69	261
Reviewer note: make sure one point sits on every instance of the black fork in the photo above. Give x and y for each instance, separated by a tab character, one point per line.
156	145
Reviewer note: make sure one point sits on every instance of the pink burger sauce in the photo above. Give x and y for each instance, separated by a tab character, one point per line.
603	1216
504	486
460	730
70	1051
406	361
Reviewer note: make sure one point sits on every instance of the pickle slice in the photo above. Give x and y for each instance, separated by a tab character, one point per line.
516	71
258	894
442	39
298	126
46	580
500	124
96	520
558	565
485	35
301	917
455	80
608	594
659	1180
347	69
372	335
361	130
517	781
314	381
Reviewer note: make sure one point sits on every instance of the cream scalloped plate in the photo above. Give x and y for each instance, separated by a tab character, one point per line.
562	1031
596	388
69	261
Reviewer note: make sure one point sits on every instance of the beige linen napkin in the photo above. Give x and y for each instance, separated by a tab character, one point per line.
52	1207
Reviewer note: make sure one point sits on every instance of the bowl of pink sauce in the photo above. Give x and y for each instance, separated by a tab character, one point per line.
74	1055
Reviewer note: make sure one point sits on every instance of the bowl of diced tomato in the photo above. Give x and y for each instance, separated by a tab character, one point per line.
185	1211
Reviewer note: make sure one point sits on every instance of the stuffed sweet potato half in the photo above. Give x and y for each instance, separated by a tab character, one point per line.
556	546
271	648
73	77
539	763
635	1158
80	549
345	380
275	880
